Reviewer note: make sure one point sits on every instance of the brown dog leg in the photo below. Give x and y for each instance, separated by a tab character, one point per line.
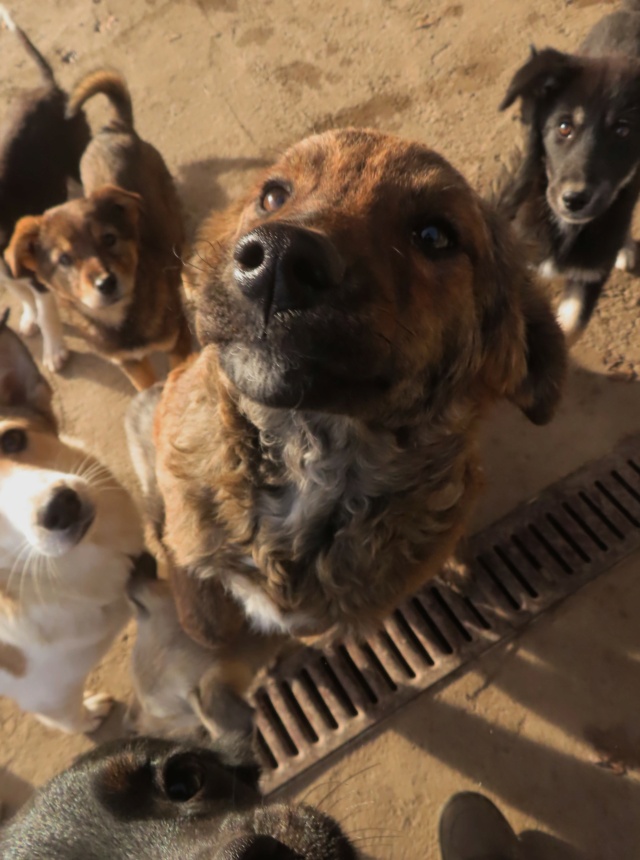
140	373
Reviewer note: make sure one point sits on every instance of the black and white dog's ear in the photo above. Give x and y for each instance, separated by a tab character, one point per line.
544	72
21	383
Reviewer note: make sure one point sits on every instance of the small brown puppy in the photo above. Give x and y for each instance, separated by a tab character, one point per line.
359	310
112	257
40	150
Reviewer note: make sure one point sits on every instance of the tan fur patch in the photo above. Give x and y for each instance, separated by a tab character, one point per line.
12	660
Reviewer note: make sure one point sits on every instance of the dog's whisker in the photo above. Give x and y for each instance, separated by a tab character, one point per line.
77	470
26	546
36	575
392	834
334	807
215	248
24	573
203	260
391	312
53	575
352	809
360	834
92	467
345	781
382	841
193	266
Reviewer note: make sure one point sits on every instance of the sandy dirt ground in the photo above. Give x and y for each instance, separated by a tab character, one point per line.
219	87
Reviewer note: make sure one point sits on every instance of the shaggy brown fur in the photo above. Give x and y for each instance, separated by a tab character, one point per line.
113	257
358	310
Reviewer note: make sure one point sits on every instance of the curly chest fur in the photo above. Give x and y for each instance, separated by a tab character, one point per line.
322	520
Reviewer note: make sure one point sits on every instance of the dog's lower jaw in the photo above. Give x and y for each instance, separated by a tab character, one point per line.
111	316
280	384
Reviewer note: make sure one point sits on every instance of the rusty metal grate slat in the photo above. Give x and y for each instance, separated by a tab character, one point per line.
319	699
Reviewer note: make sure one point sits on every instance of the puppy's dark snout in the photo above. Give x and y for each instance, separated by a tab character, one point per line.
576	200
106	284
63	510
286	267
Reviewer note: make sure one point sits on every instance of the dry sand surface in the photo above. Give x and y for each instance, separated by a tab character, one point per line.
220	86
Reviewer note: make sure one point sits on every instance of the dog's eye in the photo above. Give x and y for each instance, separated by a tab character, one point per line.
565	129
65	260
622	129
183	778
432	238
274	198
109	240
13	441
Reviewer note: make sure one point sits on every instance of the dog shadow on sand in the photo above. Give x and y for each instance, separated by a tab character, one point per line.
14	791
201	190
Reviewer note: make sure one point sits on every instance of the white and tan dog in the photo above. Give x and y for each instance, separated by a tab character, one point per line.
69	538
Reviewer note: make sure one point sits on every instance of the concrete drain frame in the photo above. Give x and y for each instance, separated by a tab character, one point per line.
319	699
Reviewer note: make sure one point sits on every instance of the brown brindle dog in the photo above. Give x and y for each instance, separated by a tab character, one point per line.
112	257
358	310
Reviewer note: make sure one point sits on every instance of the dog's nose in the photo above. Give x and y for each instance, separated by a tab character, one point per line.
106	284
62	511
285	267
576	200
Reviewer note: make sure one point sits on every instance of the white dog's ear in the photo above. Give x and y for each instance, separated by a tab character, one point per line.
21	383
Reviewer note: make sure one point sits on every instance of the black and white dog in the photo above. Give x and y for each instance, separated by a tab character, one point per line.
572	192
163	800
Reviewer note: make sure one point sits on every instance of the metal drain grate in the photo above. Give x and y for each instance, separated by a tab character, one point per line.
319	699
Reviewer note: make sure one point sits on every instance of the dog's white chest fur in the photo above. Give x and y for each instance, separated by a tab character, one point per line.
334	469
262	612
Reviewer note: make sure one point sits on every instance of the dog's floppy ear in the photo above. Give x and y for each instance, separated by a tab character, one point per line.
20	254
21	383
542	74
525	353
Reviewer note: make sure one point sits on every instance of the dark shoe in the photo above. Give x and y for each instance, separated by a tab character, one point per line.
473	828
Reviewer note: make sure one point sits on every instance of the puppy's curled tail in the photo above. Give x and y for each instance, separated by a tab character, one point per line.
112	85
43	65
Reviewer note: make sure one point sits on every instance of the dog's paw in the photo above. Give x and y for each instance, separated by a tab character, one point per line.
95	709
54	360
28	325
627	258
